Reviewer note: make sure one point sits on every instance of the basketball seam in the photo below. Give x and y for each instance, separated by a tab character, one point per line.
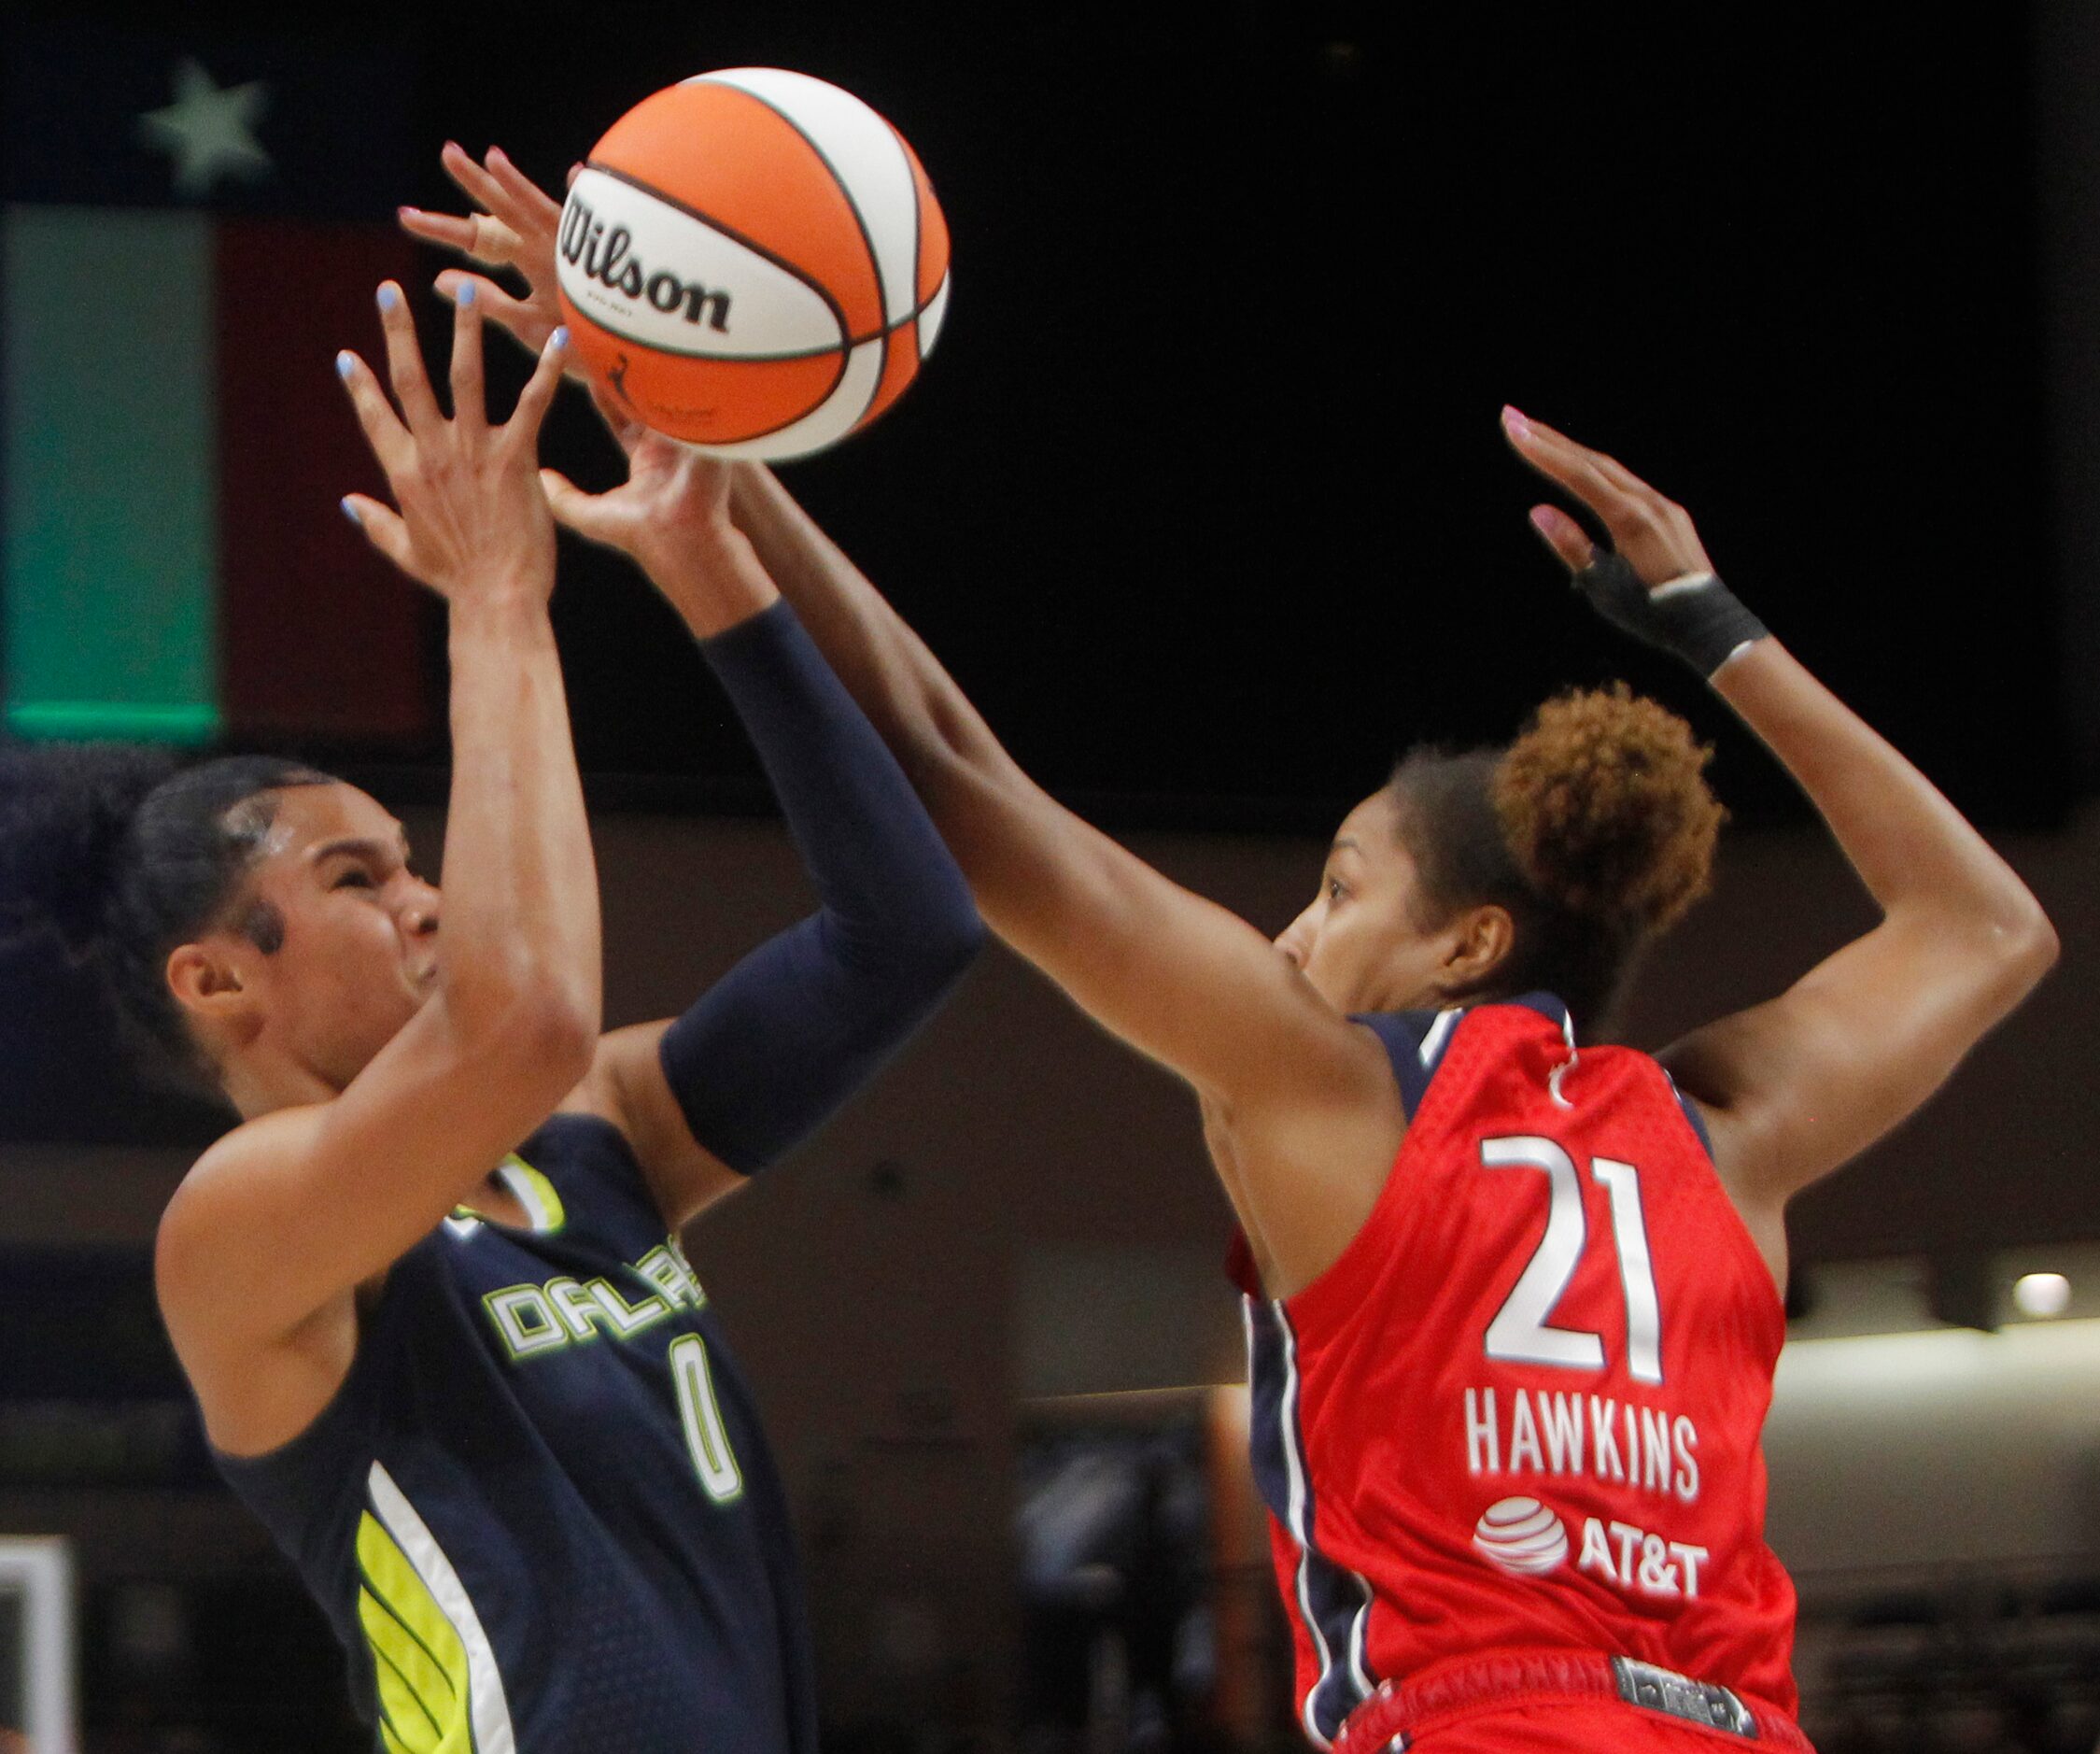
759	358
741	359
845	358
918	225
917	221
867	239
918	245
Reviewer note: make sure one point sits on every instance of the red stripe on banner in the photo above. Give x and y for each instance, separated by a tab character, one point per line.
320	638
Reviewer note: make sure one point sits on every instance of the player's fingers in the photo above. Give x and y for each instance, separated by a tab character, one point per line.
524	322
469	177
1551	452
382	526
531	201
513	206
586	514
1564	536
470	394
1570	465
404	363
538	393
496	243
383	431
1608	466
449	231
1660	515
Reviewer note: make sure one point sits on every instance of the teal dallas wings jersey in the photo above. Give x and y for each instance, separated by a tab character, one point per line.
539	1512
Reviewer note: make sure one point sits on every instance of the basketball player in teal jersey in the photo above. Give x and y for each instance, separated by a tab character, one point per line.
428	1291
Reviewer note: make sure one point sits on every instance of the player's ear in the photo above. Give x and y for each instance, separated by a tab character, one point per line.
1479	938
211	986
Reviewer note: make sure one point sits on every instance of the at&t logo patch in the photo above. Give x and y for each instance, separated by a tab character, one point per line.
1521	1535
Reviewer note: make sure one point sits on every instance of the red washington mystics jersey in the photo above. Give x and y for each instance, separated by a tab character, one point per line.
1523	1407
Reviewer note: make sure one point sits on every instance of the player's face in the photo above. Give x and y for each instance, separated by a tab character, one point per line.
358	953
1358	943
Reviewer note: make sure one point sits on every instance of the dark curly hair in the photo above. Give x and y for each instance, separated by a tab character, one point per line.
1595	830
124	855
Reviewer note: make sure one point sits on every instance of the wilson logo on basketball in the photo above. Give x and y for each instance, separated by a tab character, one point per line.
608	257
1521	1535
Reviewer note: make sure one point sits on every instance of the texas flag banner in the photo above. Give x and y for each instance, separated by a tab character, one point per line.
194	222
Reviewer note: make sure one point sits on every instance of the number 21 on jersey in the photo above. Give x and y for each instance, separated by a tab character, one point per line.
1520	1331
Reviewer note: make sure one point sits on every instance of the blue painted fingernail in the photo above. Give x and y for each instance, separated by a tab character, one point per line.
350	510
466	293
388	297
557	341
346	363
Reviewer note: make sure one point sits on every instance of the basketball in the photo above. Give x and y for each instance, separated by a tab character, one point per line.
752	262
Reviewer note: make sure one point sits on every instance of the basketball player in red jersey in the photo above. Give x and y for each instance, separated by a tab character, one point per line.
1512	1299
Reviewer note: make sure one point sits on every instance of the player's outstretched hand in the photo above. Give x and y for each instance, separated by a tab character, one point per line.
1654	534
472	517
515	228
1655	582
671	516
674	501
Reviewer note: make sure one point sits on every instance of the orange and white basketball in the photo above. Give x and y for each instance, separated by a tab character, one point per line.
754	261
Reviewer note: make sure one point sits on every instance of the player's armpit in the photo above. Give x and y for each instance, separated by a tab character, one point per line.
627	1086
1800	1085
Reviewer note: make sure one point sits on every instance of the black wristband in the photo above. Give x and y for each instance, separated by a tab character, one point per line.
1696	616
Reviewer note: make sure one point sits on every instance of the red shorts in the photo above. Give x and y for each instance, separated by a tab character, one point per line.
1576	1701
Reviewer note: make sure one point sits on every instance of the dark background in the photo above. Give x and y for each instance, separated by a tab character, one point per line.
1203	495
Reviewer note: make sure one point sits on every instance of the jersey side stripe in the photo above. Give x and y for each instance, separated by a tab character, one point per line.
402	1711
1335	1602
432	1660
1287	1422
436	1600
1360	1628
1274	1465
1332	1604
418	1695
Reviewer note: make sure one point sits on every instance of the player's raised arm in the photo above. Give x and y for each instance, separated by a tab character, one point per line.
291	1212
1305	1096
1064	894
1797	1086
804	1021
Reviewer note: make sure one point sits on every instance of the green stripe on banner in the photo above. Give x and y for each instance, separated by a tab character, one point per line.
111	496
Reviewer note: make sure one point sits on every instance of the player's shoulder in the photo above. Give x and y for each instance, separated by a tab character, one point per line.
228	1170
